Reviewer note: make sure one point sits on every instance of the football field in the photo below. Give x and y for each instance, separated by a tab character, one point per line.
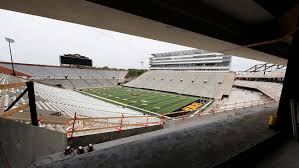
154	101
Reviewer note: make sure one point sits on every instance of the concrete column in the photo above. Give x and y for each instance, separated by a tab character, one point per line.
290	87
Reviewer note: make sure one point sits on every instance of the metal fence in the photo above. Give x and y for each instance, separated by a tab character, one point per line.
240	105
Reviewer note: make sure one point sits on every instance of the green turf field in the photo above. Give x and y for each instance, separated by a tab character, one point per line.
158	102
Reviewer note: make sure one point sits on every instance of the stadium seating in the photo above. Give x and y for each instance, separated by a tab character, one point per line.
204	84
80	83
68	77
57	72
69	102
51	100
271	89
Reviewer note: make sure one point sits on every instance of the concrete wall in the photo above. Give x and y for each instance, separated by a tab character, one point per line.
23	144
108	136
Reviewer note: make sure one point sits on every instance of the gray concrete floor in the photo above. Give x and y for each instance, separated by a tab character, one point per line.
284	156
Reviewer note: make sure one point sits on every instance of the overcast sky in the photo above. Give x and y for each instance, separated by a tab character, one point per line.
41	40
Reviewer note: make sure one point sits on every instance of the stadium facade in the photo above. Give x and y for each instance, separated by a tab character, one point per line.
190	60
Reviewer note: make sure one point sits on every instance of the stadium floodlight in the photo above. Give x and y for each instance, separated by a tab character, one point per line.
9	40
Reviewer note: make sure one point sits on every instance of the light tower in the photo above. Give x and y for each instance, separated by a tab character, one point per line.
9	40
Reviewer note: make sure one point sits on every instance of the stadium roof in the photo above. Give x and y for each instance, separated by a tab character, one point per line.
253	29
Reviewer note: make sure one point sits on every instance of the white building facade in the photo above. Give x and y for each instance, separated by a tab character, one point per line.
197	59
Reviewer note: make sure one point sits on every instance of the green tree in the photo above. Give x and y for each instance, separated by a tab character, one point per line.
136	72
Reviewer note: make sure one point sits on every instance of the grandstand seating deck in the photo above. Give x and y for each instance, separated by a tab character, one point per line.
52	100
71	102
61	100
271	89
68	77
57	72
204	84
80	83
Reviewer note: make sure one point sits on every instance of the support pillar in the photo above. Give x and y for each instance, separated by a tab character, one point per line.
32	104
290	88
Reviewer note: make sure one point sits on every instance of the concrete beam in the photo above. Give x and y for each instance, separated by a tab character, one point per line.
90	14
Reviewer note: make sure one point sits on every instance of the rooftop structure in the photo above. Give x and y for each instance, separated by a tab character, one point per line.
190	60
265	72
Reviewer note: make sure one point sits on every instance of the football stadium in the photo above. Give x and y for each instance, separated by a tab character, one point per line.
71	92
149	84
86	104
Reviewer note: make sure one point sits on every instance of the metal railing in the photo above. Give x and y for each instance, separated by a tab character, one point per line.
118	123
240	105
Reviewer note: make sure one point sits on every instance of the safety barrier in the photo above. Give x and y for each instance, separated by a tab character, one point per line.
118	123
79	124
240	105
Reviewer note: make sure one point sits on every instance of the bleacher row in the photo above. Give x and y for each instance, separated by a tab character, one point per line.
69	102
51	100
204	84
80	83
271	89
57	72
